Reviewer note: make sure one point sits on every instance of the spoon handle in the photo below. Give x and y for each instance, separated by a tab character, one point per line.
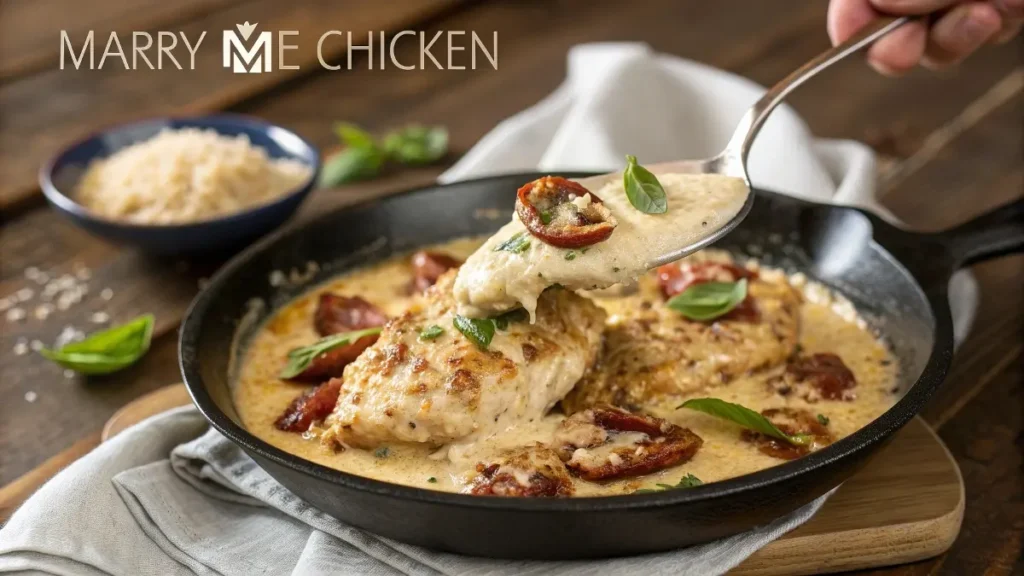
755	117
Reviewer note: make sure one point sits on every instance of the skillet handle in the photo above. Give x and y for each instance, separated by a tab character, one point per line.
993	234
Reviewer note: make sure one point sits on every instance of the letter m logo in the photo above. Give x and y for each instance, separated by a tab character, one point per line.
242	59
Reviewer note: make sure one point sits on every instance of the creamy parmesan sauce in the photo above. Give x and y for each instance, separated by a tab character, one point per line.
829	324
698	206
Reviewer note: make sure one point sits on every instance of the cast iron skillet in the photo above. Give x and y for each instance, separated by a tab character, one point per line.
898	279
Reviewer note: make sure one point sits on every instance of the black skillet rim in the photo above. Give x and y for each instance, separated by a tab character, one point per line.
876	431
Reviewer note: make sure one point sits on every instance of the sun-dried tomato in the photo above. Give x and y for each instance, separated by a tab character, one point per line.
792	421
311	406
594	447
427	267
563	213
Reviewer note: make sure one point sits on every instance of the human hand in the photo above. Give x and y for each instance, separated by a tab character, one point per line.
957	28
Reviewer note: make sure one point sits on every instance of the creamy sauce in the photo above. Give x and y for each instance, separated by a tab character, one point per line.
829	324
698	206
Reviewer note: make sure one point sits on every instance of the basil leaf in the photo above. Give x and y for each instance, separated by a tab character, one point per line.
518	243
570	255
480	331
709	300
546	217
431	332
354	136
743	416
416	144
502	321
351	164
643	189
823	420
688	481
300	358
106	351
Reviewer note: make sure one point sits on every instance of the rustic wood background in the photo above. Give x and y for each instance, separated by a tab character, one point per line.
951	144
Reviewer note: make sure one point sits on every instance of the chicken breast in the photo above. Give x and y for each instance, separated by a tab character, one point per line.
410	387
657	353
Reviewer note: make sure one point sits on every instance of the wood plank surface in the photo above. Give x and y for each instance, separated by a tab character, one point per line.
114	95
951	144
30	29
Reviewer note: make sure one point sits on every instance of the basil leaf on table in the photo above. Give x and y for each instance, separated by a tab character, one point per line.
416	144
106	351
743	416
354	136
351	164
300	358
516	244
643	189
709	300
480	331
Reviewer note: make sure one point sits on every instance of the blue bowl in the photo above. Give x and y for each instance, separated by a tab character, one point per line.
59	178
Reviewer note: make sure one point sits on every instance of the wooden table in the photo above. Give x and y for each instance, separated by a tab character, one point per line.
951	146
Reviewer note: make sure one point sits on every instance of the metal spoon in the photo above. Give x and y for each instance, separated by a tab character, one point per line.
733	160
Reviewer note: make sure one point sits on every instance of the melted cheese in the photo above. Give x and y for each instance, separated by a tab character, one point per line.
698	206
828	325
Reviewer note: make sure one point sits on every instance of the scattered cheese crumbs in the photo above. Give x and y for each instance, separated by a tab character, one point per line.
30	396
99	317
36	345
20	348
6	303
106	294
25	294
277	278
42	311
67	335
31	273
15	315
69	374
83	273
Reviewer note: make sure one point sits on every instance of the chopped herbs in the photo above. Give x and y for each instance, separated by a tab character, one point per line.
432	480
709	300
431	332
480	331
106	351
616	269
570	255
300	358
546	216
743	416
688	481
823	420
517	244
643	189
381	452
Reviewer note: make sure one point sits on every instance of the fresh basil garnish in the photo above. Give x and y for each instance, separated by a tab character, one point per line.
709	300
823	420
431	332
643	189
688	481
363	156
570	255
300	358
743	416
518	243
416	144
106	351
480	331
502	321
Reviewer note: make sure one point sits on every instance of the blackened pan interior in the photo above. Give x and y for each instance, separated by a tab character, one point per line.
830	244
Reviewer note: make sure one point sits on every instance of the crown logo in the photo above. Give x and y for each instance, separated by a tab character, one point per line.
246	29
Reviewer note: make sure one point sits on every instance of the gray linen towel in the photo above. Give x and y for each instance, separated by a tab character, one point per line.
169	496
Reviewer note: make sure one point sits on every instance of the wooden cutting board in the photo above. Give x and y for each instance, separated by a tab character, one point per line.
905	505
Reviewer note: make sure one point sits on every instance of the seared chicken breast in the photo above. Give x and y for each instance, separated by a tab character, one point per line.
439	386
656	353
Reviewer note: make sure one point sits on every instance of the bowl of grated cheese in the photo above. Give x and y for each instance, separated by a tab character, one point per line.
183	185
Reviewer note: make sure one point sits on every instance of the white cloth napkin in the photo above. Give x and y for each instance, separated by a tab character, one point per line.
170	497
